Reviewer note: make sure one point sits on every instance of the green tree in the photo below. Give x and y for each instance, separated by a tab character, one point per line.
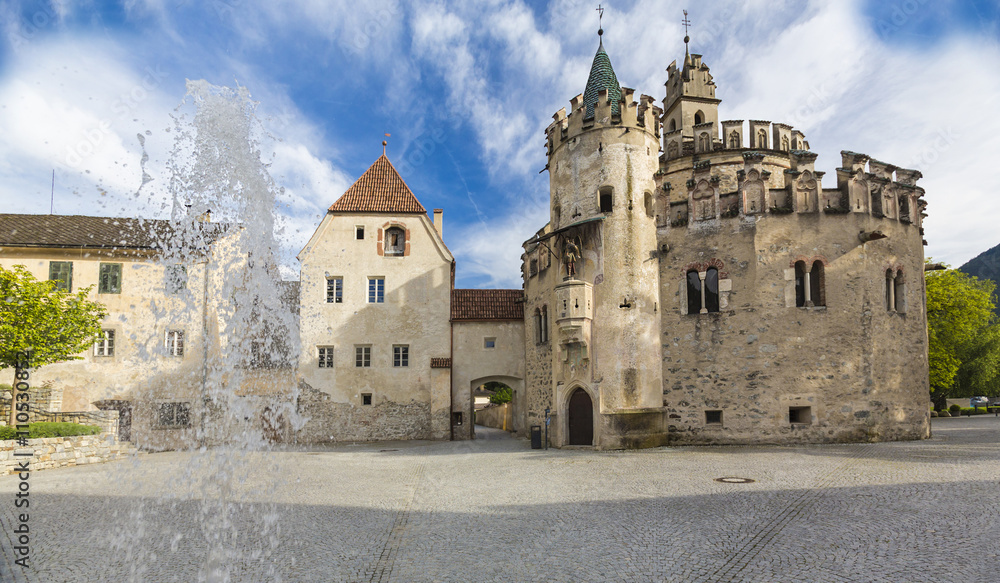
964	349
501	395
48	324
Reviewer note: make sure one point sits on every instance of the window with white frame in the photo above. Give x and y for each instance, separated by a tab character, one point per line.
376	290
175	343
105	345
325	357
174	415
334	290
400	355
362	356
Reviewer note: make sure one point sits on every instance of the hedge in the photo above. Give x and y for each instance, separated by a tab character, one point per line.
50	429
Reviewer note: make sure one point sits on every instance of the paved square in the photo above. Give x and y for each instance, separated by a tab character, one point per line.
495	510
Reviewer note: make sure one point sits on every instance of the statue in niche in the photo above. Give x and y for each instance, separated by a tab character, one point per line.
571	254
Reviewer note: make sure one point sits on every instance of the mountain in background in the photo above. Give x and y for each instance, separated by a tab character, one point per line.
986	265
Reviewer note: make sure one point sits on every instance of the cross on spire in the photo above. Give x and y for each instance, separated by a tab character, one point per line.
686	24
600	20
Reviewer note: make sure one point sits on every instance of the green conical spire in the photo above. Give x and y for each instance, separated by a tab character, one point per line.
602	76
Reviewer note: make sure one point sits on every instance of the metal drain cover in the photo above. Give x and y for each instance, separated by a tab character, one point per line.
734	480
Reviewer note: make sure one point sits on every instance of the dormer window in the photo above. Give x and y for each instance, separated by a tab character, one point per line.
395	241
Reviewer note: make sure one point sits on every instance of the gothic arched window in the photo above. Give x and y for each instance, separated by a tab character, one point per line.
712	290
800	284
817	287
694	292
762	139
734	140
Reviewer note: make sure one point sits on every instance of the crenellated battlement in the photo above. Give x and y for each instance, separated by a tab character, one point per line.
768	182
760	135
643	114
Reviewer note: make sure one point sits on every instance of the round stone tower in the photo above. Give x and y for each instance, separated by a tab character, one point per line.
603	296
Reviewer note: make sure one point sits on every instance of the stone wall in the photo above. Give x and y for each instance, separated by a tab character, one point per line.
497	416
57	452
328	421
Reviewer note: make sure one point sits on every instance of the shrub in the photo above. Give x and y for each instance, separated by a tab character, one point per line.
51	429
955	409
944	414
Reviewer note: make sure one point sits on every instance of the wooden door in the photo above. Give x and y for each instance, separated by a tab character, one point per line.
581	419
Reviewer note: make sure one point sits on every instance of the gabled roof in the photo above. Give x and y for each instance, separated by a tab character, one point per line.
379	190
95	232
487	304
602	76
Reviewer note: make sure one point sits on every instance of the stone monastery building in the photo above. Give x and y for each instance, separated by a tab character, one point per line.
696	283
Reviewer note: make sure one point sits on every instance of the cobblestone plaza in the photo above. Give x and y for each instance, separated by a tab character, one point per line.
495	510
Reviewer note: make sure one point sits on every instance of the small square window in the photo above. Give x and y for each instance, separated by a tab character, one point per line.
362	356
105	345
401	355
326	357
489	343
800	415
366	398
713	417
174	415
110	278
334	290
359	233
175	343
376	290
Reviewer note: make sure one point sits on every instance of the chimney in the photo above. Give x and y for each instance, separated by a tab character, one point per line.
439	222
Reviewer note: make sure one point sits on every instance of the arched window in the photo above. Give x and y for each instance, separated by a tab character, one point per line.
712	290
694	292
899	293
395	241
734	140
817	284
784	143
800	284
890	285
647	200
606	199
673	125
699	118
762	139
538	326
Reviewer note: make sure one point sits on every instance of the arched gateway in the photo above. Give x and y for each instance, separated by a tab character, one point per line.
581	418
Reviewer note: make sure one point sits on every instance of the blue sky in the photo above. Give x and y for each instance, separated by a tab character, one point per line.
466	90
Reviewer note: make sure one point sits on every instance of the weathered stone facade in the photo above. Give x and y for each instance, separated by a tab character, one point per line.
58	452
710	290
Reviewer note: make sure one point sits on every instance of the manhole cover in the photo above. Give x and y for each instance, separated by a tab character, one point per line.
734	480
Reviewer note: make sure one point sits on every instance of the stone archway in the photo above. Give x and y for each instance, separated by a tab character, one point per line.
580	418
516	384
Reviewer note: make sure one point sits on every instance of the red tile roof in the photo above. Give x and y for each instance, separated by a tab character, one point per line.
379	190
440	363
487	304
102	232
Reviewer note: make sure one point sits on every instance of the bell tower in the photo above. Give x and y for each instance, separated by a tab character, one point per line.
602	158
690	107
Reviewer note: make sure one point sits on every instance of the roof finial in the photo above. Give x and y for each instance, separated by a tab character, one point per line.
686	23
384	144
600	20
